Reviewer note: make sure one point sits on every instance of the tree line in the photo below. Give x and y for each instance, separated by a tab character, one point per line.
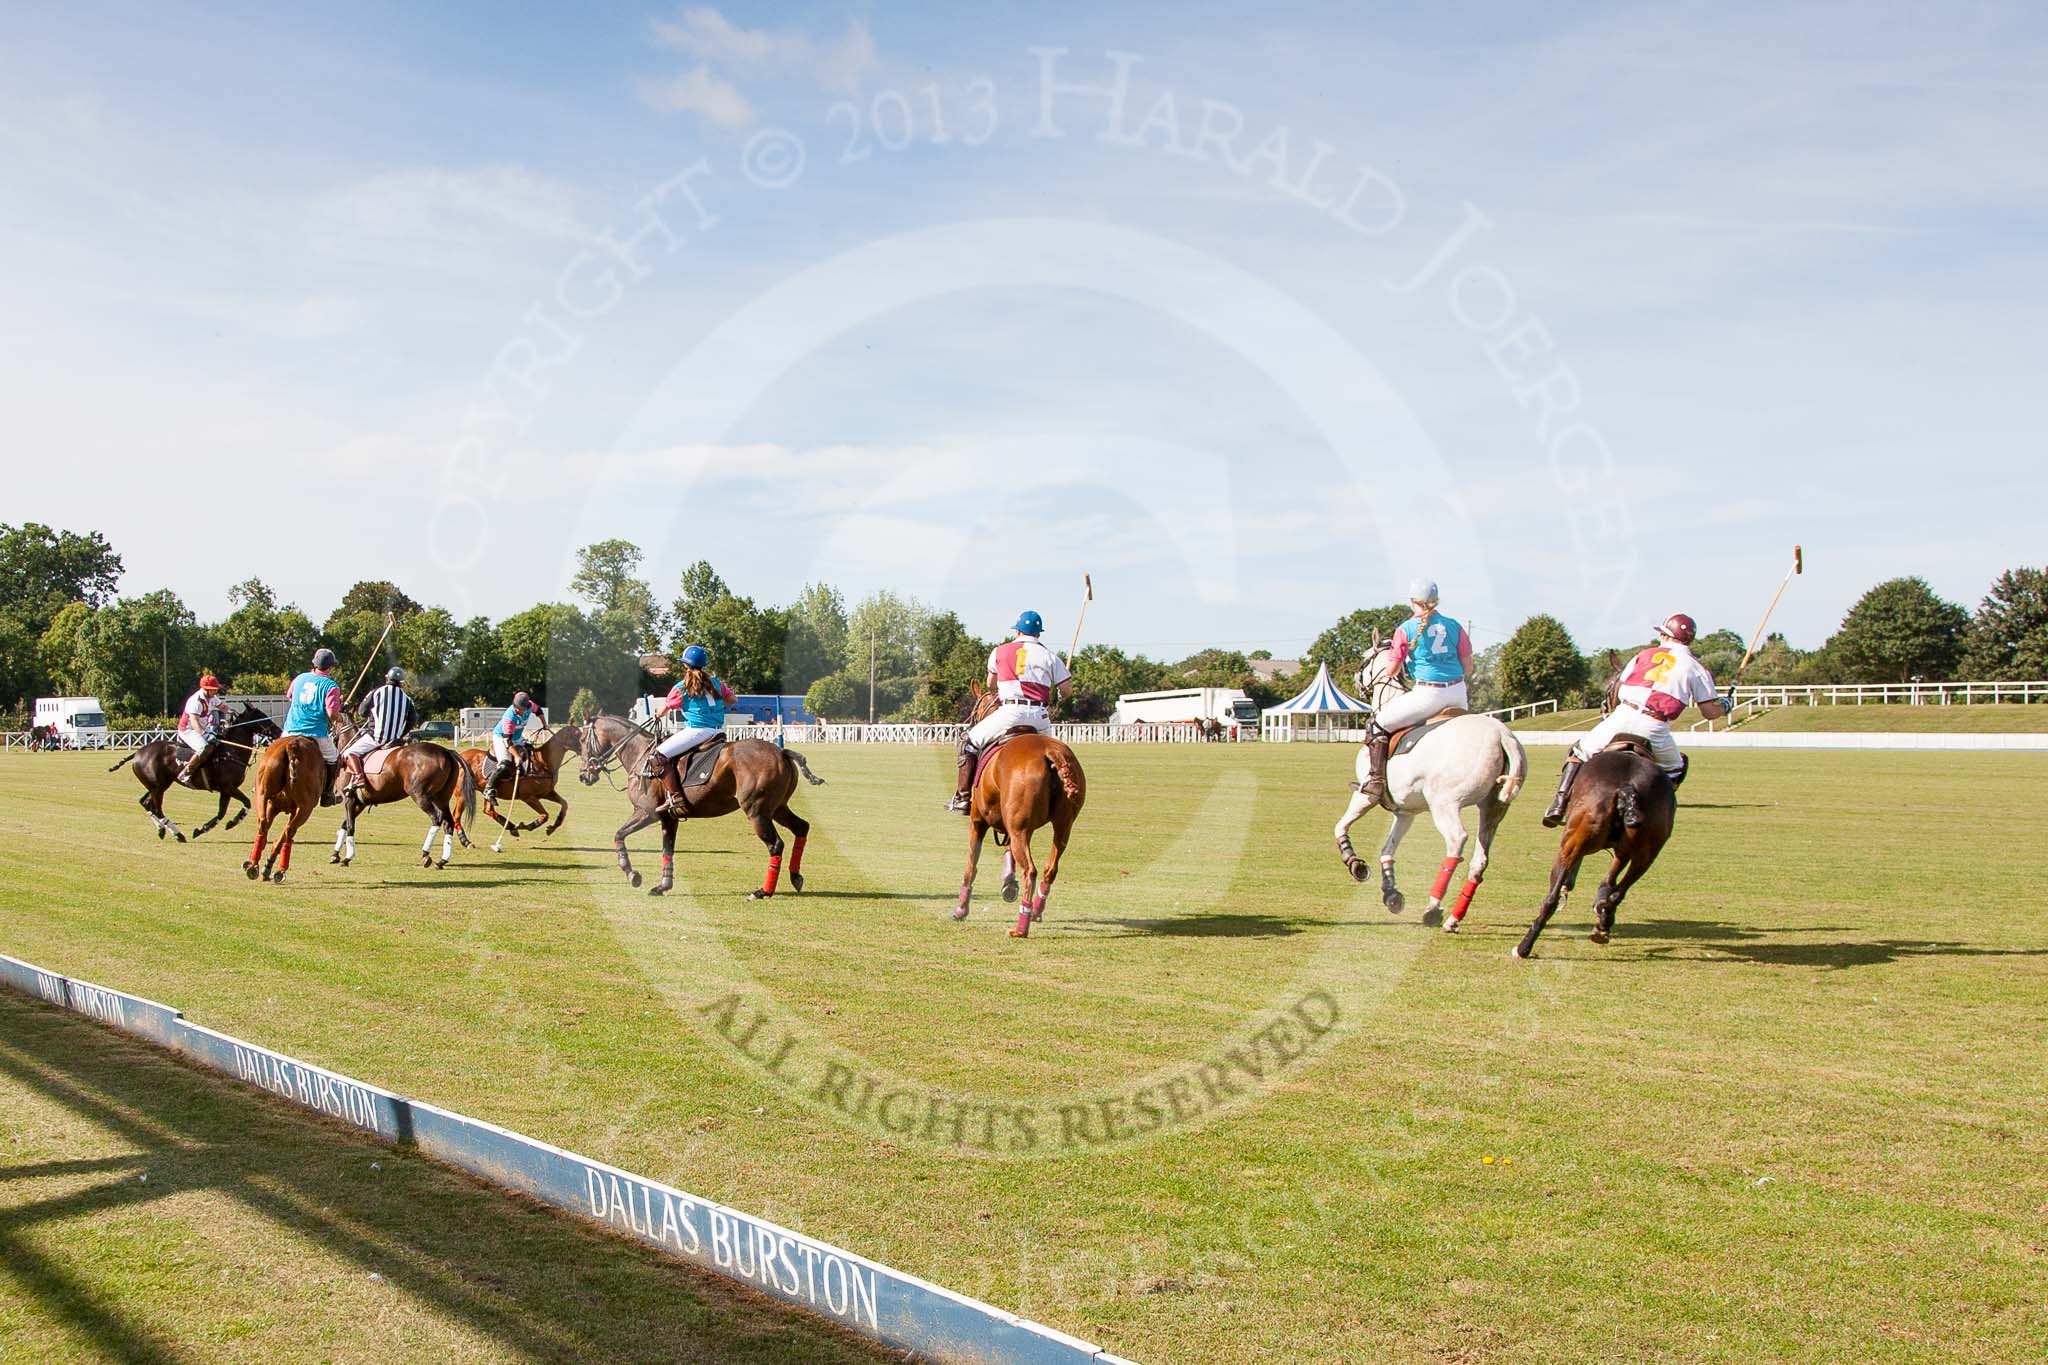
66	630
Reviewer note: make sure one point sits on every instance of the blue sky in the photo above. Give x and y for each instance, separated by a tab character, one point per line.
1723	279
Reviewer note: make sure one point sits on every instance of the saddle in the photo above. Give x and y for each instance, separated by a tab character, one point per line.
1635	744
1408	736
981	759
701	760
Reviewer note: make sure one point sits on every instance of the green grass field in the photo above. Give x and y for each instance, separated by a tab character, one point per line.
2004	719
1796	1109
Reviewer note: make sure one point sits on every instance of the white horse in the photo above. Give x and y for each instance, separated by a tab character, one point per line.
1469	760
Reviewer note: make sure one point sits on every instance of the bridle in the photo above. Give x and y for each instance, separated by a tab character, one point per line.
608	762
1376	686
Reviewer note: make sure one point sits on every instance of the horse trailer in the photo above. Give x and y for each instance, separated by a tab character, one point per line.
74	722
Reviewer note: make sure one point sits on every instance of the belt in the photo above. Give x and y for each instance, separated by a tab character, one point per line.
1645	710
1423	682
1025	702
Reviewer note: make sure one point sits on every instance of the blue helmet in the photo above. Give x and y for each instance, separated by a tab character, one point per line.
1030	623
696	656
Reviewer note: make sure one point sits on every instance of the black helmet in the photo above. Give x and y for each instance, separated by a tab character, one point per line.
396	675
521	699
324	658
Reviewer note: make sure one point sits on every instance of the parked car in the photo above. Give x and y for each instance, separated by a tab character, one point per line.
435	729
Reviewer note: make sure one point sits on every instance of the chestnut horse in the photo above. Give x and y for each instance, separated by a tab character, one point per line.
290	777
532	788
1027	782
157	764
1621	801
751	776
433	777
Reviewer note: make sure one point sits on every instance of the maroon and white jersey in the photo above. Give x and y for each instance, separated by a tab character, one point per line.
1026	671
1665	679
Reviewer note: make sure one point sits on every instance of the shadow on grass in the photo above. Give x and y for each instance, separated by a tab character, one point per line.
1718	940
536	1284
1203	926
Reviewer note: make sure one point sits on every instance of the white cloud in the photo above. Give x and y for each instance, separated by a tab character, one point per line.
698	91
725	53
428	214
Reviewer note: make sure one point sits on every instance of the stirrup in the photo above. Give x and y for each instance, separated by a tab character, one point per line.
959	804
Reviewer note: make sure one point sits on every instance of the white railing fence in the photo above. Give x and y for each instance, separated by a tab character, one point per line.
115	741
1893	694
1527	708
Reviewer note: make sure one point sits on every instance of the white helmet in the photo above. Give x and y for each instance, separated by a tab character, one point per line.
1423	590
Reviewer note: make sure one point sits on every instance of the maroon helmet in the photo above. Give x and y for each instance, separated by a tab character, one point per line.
1679	627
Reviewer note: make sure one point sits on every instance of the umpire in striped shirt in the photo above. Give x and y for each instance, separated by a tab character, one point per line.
388	716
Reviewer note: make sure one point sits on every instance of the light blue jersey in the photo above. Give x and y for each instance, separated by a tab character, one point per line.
705	712
1434	652
308	712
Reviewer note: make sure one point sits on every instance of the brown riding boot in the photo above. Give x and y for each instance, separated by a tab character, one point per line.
671	782
1375	788
963	790
328	795
193	764
1554	817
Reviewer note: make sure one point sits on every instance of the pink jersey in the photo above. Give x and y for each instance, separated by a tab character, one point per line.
1665	679
1026	671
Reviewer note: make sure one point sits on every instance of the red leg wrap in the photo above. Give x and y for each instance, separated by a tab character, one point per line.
1443	879
774	873
1465	894
796	855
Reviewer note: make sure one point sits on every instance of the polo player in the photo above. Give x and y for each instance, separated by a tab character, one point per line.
1434	651
1025	676
388	716
199	726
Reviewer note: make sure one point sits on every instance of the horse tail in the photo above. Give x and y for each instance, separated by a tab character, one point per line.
1627	807
126	761
1061	760
804	768
468	780
1518	766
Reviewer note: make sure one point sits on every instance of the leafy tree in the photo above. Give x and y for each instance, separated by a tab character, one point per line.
701	587
479	674
814	643
1898	630
261	637
553	649
427	645
1344	645
607	578
376	597
41	569
1102	673
584	706
835	697
1539	660
1261	655
746	643
139	655
893	623
1721	652
21	673
2008	639
953	661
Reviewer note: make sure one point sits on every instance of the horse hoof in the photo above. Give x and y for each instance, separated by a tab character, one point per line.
633	879
181	838
1358	870
1395	902
658	889
1020	931
1010	893
796	881
161	833
1432	917
1598	936
759	895
335	859
277	879
1451	925
959	913
250	868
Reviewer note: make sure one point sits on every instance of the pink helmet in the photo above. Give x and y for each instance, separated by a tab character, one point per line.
1679	627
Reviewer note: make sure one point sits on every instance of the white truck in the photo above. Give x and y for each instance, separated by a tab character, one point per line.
475	722
1228	706
74	722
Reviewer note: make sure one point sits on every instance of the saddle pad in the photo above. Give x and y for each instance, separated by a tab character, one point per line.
1407	739
981	762
701	762
374	761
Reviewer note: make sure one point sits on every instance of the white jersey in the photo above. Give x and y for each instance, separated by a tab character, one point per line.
198	713
1026	672
1665	679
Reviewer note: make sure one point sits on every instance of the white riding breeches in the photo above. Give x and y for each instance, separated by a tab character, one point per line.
195	740
1418	705
365	744
1626	720
327	749
501	748
1009	716
689	737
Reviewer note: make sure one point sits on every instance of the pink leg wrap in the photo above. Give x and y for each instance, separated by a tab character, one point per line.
1465	894
1443	879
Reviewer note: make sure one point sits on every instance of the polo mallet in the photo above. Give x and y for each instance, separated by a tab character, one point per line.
390	620
1798	567
506	823
1087	596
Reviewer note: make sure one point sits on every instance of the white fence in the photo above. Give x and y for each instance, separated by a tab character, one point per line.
1527	708
116	740
1893	694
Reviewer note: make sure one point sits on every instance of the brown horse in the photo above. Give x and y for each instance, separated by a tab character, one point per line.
751	776
433	777
532	788
1622	801
157	764
1029	781
290	778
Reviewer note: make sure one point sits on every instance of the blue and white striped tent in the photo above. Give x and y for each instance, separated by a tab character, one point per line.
1319	711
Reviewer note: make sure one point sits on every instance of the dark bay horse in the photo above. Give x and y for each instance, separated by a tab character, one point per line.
751	776
1621	801
532	788
433	777
290	778
157	764
1030	781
